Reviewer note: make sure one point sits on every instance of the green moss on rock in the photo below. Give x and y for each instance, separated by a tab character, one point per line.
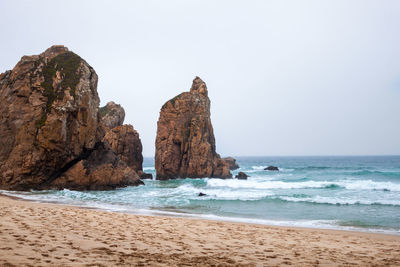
40	122
103	111
107	111
67	64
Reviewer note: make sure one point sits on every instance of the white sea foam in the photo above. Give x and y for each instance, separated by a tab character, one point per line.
259	168
249	193
340	201
321	224
222	194
268	184
256	184
369	185
65	196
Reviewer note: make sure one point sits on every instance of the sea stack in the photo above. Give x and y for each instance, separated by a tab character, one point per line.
185	143
50	127
123	138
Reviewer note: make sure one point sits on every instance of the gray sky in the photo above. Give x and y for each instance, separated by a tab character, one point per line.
284	77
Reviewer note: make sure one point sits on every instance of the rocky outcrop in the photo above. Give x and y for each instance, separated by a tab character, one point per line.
241	176
271	168
112	115
185	143
232	163
101	170
143	175
125	141
50	125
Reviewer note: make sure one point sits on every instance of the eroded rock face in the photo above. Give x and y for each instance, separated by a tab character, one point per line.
185	143
125	141
232	163
49	119
102	170
112	115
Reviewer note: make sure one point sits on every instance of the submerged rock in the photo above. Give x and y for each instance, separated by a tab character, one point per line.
144	175
202	194
271	168
50	122
241	176
185	143
232	163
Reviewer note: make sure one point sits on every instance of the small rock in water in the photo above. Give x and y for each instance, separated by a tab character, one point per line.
144	175
201	194
271	168
242	176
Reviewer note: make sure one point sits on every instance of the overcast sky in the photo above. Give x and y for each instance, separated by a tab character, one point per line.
284	77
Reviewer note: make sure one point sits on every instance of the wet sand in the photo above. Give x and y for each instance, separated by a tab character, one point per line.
39	234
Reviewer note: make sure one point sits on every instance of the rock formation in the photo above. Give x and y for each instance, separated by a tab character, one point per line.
185	143
50	126
232	163
112	115
123	139
271	168
241	176
143	175
101	170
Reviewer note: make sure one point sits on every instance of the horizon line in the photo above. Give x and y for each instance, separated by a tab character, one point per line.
322	155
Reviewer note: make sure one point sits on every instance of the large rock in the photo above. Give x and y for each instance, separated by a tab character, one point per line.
49	120
101	170
232	163
112	115
125	141
185	143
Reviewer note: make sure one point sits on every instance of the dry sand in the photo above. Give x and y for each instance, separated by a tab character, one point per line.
40	234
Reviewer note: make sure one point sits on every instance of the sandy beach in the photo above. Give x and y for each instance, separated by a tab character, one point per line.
41	234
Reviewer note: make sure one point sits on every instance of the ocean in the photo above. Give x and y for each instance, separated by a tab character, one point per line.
347	193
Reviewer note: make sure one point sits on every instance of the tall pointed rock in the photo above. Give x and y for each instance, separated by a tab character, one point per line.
185	143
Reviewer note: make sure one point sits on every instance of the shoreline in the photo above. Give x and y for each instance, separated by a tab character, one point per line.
211	217
53	234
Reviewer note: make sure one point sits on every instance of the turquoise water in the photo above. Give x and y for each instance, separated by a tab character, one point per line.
354	193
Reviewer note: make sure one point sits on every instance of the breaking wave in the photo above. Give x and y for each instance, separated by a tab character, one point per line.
347	184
